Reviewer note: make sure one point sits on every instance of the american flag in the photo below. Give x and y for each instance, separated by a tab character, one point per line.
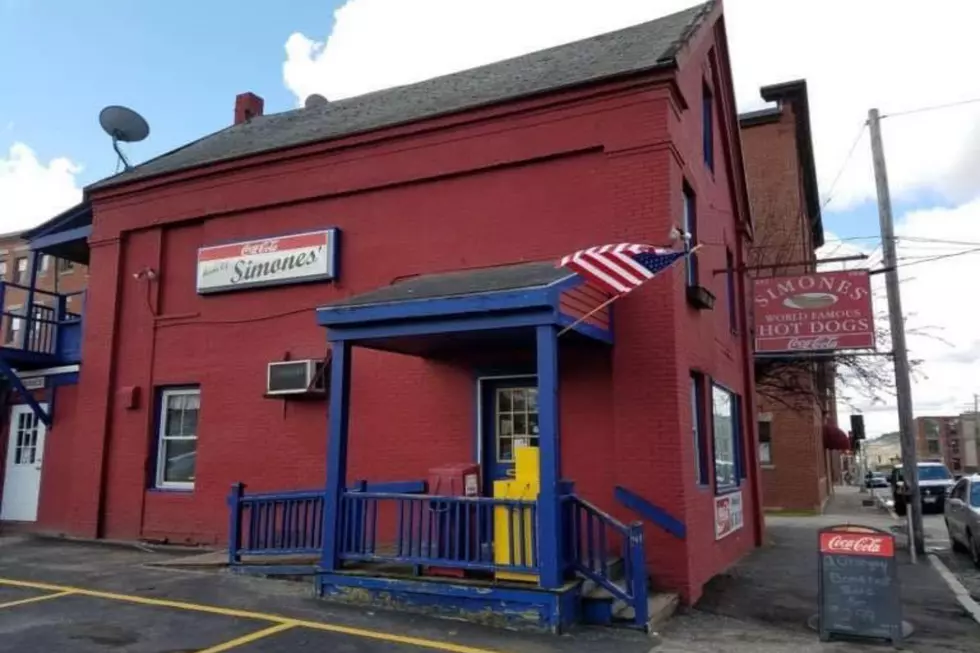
621	268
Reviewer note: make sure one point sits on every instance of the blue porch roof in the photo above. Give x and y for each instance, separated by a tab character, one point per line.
460	307
65	235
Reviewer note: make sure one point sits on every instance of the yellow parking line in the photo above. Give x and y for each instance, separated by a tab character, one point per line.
251	637
247	614
35	599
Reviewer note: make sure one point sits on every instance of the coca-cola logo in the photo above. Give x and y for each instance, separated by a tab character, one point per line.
263	247
856	544
840	543
821	342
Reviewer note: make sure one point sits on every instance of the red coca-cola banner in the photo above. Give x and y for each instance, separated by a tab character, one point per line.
819	311
859	544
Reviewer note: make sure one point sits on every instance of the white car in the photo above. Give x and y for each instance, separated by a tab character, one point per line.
963	516
935	482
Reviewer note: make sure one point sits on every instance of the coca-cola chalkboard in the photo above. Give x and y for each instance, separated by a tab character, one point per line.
858	584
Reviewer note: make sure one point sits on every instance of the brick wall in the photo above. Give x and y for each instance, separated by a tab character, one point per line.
796	478
530	181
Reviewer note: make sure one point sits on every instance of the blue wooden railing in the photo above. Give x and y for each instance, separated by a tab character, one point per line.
277	524
437	531
598	542
40	325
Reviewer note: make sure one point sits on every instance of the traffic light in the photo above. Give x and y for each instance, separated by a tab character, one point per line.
857	426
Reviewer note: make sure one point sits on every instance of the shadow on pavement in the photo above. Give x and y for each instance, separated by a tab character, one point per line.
777	585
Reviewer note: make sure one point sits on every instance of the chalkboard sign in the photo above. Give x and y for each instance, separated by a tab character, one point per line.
858	584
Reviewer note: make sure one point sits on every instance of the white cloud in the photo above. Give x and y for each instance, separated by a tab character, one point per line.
892	54
31	192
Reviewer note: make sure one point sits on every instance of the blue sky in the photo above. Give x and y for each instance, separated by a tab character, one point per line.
180	63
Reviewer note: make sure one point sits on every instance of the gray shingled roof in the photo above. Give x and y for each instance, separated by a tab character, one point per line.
460	283
635	49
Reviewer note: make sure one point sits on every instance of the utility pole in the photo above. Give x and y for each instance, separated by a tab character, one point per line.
903	384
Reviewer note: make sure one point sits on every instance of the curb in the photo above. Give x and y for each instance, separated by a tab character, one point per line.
962	594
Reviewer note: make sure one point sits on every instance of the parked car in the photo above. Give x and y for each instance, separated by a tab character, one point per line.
963	516
875	479
935	482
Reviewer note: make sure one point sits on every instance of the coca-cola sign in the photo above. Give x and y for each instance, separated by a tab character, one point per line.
823	311
863	544
274	261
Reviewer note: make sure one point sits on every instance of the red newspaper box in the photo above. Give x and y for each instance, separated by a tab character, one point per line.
452	525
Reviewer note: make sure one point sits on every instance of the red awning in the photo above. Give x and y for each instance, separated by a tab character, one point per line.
835	439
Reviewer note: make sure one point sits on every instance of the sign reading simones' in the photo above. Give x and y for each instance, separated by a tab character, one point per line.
819	311
295	258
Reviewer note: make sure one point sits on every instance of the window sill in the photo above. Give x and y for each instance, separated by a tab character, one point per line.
766	466
171	490
728	489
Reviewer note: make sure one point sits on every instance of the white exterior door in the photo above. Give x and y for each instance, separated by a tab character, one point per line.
22	475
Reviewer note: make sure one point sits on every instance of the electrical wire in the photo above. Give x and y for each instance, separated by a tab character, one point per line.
843	167
930	259
934	107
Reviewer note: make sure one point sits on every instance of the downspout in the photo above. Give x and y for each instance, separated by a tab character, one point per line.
750	443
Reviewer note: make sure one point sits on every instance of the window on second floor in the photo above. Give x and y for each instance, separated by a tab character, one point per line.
3	270
45	262
64	265
22	273
707	127
690	220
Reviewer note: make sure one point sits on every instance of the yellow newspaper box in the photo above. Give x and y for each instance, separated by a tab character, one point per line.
508	534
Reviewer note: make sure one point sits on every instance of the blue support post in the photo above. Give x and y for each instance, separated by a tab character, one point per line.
235	523
29	312
549	508
338	414
638	578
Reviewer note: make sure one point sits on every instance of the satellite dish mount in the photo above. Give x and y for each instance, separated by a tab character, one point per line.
123	125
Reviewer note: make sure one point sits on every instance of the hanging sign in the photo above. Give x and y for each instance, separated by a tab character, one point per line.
814	312
295	258
729	516
858	584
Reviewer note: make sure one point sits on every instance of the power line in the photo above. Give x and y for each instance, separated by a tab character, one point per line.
934	107
930	259
847	159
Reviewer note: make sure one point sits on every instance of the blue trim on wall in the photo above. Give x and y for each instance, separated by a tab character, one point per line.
654	514
586	329
61	238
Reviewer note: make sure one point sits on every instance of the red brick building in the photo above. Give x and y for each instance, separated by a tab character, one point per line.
795	401
457	193
941	438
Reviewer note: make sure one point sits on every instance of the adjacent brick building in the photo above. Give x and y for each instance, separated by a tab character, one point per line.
796	400
488	174
941	438
56	275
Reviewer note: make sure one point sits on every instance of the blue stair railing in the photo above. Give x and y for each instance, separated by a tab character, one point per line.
597	543
274	524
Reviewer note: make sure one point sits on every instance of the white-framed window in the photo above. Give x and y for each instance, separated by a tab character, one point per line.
22	275
517	420
725	436
15	326
45	262
177	438
765	438
3	270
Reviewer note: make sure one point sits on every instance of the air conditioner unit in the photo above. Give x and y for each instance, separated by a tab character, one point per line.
300	377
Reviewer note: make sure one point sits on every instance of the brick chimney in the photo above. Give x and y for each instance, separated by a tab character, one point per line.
247	106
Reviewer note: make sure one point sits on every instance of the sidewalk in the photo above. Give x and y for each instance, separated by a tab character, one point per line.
763	603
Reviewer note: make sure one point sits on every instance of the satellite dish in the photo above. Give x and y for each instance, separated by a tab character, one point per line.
315	100
124	125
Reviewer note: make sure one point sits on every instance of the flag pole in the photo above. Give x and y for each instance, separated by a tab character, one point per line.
607	303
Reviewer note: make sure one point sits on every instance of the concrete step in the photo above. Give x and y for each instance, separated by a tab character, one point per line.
616	569
661	606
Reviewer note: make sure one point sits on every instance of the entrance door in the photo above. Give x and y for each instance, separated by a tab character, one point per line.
22	476
510	417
